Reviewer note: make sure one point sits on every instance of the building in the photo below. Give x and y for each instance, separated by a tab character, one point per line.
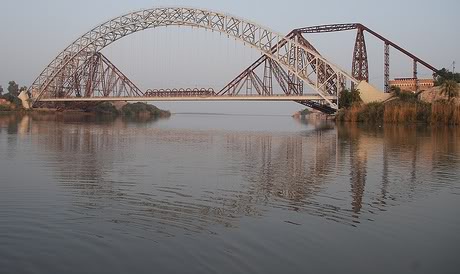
410	84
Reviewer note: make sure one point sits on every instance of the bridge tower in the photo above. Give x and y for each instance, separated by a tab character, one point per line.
360	68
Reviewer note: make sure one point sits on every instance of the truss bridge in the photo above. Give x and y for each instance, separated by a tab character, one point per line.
290	67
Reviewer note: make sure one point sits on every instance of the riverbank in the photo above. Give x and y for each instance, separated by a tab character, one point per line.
440	112
140	110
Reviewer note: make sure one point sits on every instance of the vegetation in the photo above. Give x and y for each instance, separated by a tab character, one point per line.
13	89
12	99
403	95
305	112
349	98
105	108
5	108
142	109
406	108
403	112
445	75
450	88
11	96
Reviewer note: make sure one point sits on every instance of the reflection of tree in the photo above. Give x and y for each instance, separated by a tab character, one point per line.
12	124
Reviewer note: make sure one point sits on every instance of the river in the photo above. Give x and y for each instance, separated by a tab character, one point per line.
202	193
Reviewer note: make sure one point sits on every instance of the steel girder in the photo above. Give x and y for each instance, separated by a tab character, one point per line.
288	81
98	77
360	68
360	62
328	28
295	57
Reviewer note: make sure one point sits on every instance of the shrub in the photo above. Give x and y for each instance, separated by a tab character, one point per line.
12	99
445	112
400	112
423	112
407	96
142	109
371	113
348	98
305	112
5	108
105	108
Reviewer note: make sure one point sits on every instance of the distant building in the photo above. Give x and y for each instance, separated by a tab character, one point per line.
410	84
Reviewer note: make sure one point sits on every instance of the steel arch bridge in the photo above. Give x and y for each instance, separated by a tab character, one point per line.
82	73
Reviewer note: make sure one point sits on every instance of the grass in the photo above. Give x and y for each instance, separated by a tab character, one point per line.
403	112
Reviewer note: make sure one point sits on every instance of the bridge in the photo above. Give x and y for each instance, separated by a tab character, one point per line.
81	73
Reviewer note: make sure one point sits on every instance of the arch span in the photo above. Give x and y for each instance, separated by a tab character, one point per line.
299	59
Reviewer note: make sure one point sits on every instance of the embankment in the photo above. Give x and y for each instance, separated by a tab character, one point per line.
400	112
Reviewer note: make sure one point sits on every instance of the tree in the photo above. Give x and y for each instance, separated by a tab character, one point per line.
13	88
403	95
396	90
1	90
450	88
349	97
444	75
305	112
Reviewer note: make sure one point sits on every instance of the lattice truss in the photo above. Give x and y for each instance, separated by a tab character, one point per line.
265	76
96	77
360	66
302	65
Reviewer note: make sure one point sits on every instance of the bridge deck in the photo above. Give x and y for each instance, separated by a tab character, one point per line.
193	98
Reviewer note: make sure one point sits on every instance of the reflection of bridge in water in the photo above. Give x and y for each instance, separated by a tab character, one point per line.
345	175
290	68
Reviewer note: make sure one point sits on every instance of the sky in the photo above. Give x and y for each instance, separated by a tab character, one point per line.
33	32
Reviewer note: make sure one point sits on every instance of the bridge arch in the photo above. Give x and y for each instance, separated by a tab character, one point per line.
298	58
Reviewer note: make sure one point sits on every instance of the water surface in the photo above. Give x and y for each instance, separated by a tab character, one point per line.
226	194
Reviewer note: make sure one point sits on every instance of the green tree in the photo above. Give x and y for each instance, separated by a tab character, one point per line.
444	75
403	95
24	88
349	97
450	88
1	90
305	112
13	88
396	90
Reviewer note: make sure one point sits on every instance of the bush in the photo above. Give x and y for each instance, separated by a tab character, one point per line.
305	112
106	108
12	99
407	96
424	112
372	113
348	98
400	112
143	109
445	112
5	108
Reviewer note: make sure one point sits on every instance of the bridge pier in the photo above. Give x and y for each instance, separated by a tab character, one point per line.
25	99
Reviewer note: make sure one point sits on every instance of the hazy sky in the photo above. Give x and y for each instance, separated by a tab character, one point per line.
33	32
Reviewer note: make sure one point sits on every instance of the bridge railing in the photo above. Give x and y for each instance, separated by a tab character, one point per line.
207	93
179	92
